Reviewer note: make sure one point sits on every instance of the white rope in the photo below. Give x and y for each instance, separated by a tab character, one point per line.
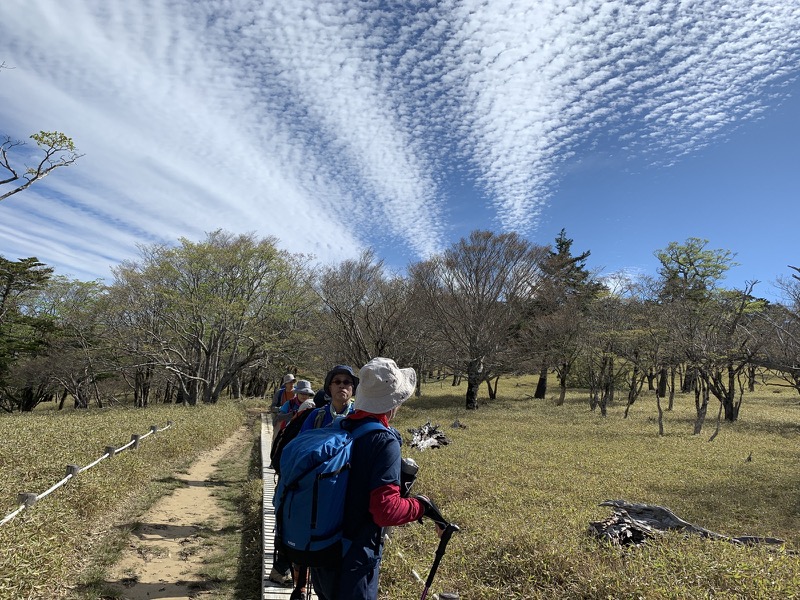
55	487
153	429
126	446
12	515
90	465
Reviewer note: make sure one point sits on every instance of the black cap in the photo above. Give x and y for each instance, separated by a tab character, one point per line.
340	370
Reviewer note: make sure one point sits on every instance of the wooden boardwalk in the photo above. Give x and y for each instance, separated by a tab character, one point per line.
271	591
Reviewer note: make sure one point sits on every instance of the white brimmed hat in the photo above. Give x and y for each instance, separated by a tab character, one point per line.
383	386
288	377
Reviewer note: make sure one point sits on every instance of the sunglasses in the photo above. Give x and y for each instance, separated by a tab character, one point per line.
343	382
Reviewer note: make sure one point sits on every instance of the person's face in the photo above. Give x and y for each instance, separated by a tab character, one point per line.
303	396
341	388
290	385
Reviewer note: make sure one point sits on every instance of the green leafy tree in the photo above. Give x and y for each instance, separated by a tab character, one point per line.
557	314
215	309
713	324
57	150
23	332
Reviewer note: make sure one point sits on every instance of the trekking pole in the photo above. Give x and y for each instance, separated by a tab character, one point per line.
449	529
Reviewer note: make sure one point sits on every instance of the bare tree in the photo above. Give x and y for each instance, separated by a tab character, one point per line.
781	351
475	292
366	311
58	151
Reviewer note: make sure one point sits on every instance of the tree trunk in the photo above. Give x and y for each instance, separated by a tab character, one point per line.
492	388
141	386
690	380
701	406
31	397
635	385
562	384
662	383
474	379
660	415
63	399
651	376
671	388
541	386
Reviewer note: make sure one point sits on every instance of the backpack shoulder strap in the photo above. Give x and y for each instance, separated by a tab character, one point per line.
319	418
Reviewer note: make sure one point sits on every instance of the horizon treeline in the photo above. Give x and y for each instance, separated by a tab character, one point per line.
228	315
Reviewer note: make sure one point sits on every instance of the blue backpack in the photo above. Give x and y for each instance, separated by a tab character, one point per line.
309	500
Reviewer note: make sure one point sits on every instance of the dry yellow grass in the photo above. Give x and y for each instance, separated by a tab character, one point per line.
525	477
43	549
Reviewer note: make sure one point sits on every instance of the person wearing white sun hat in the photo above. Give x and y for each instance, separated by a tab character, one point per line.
373	499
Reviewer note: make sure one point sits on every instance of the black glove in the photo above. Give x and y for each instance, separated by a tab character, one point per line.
431	511
408	474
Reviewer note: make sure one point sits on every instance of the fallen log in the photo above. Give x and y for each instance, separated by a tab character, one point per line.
427	436
633	524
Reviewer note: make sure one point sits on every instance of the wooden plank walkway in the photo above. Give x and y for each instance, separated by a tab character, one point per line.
271	590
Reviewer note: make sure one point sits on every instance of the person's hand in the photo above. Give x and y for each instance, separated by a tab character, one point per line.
439	530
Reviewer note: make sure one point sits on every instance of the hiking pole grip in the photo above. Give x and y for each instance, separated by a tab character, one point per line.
449	529
432	511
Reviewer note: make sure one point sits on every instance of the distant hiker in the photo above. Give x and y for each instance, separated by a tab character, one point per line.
302	392
373	500
283	570
340	386
282	394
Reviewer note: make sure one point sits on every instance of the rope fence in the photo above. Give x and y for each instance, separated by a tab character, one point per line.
28	499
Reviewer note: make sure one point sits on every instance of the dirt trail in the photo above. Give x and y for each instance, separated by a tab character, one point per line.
166	552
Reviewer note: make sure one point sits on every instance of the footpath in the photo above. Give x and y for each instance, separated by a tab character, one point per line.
167	551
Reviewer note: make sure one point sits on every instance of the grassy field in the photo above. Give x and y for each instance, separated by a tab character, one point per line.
525	478
45	550
522	480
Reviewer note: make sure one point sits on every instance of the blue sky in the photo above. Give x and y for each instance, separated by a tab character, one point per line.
403	126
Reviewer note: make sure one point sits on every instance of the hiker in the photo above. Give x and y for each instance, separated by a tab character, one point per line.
340	386
283	571
282	394
302	392
305	395
373	500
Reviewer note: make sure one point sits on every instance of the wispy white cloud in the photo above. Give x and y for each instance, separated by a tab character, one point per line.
542	78
335	125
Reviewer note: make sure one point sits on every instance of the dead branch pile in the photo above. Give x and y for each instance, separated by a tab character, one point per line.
428	436
633	524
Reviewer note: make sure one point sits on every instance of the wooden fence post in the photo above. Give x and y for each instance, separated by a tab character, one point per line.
28	499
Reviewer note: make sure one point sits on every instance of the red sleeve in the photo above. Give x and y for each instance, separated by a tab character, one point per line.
388	508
